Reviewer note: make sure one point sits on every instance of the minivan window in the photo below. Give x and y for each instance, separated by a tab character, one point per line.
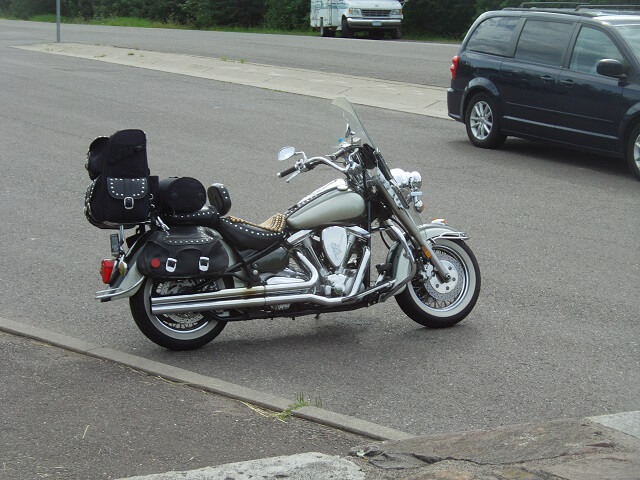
592	46
493	36
543	42
631	34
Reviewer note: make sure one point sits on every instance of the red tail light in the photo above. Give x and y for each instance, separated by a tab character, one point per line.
106	269
454	66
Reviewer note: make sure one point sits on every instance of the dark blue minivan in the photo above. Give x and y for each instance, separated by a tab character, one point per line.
569	76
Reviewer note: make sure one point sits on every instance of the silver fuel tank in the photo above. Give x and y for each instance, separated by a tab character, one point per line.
332	204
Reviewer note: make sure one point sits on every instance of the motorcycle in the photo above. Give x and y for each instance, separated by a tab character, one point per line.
187	273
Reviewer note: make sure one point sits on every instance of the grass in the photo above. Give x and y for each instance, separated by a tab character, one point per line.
144	23
285	414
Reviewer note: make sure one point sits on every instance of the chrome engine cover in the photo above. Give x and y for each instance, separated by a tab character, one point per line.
335	244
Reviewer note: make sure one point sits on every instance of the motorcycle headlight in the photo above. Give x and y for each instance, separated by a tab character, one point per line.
410	184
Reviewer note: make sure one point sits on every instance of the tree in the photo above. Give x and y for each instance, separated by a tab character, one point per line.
287	14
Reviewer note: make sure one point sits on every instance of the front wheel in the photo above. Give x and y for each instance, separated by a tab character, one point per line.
179	331
346	31
436	304
633	151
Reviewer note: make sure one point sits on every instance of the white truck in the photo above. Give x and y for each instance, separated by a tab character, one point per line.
348	16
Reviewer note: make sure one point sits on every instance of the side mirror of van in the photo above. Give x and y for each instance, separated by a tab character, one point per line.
611	68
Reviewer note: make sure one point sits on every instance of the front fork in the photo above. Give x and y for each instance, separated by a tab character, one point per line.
424	246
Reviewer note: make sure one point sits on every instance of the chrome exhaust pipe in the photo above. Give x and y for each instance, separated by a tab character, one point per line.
260	302
208	301
227	294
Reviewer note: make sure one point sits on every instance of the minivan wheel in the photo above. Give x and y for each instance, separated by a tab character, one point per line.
633	151
483	123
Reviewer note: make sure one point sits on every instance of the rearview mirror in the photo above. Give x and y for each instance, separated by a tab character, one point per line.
611	68
286	153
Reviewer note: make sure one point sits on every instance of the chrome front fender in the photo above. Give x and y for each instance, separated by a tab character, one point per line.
429	231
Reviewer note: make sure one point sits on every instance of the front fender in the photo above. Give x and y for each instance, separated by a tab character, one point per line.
430	231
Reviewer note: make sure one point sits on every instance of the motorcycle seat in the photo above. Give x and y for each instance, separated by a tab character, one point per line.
248	235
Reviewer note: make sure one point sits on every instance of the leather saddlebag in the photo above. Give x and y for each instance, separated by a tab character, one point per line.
120	193
183	252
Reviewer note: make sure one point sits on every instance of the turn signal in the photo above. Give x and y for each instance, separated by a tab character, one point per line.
106	269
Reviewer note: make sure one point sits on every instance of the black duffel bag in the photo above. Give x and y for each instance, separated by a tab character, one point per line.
181	195
183	252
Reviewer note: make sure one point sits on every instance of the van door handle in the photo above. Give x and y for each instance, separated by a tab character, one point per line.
567	82
548	78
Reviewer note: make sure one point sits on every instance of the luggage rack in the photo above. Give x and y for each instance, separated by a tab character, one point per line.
579	7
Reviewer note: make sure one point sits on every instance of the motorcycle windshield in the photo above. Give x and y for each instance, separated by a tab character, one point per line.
351	127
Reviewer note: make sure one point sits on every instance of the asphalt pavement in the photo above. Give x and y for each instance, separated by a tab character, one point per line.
68	415
79	410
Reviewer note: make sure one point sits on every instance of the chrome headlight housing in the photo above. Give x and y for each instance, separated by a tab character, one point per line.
409	184
395	12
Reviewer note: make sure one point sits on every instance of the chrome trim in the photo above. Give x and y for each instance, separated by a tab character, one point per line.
451	236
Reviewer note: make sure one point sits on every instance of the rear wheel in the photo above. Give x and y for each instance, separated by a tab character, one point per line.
633	151
483	122
177	331
436	304
326	32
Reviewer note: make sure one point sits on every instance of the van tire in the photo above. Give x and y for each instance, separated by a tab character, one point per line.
483	122
346	31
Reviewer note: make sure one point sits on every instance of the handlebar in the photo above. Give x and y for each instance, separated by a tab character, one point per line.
286	172
306	164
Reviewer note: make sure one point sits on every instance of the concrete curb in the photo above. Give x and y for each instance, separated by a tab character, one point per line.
209	384
403	97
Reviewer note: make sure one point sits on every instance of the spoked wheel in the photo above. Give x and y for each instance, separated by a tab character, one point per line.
176	331
436	304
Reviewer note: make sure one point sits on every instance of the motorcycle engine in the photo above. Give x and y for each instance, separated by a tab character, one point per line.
338	246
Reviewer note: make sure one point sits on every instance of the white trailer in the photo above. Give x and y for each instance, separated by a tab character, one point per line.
348	16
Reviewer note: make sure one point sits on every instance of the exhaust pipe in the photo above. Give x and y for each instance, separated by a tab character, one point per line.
226	299
242	292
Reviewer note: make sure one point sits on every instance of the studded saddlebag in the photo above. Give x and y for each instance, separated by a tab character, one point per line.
120	193
183	252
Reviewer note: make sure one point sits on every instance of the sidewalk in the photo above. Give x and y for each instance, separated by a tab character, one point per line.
402	97
69	415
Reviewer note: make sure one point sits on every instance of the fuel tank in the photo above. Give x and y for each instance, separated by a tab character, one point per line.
332	204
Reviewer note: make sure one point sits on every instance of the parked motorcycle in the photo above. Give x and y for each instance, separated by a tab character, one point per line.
191	268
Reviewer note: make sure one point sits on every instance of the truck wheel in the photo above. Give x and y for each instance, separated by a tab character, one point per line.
346	31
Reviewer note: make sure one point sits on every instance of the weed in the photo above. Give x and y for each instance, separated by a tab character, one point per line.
285	414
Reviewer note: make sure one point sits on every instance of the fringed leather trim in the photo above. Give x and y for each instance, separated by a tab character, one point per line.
275	223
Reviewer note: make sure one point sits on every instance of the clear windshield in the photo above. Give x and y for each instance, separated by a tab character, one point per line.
631	34
349	122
